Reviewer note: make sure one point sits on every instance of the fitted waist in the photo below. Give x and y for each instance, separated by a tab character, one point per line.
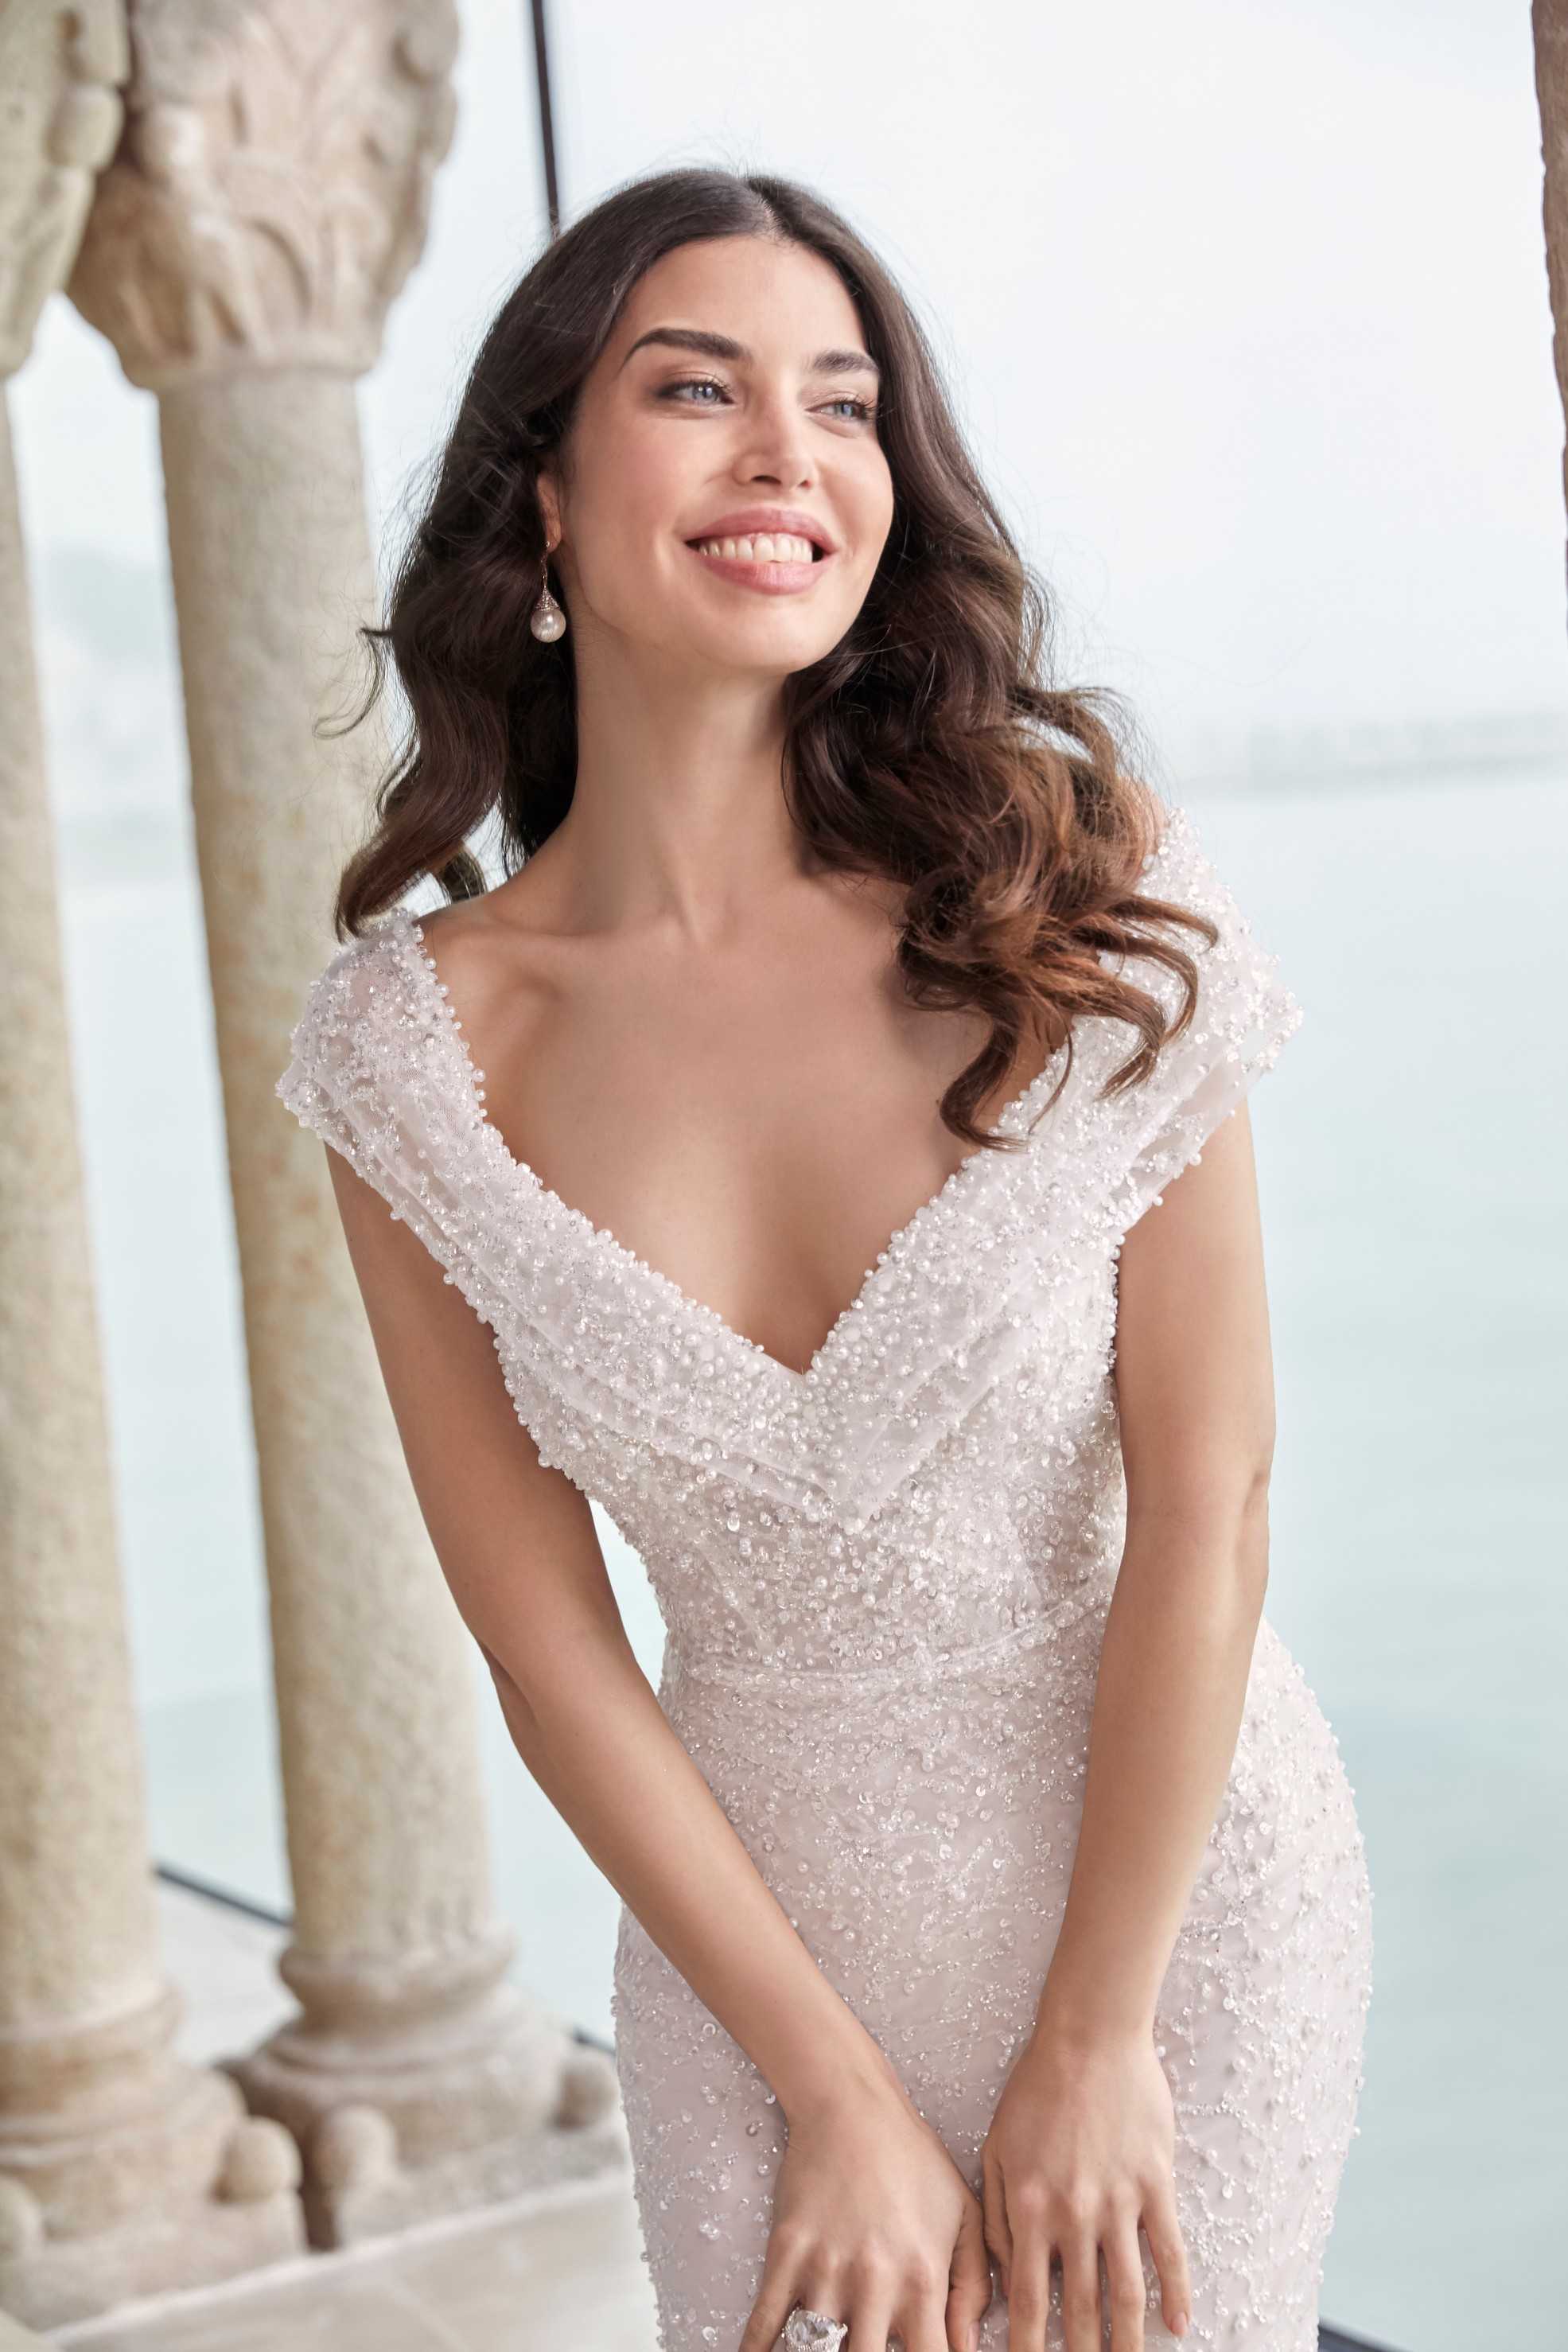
919	1668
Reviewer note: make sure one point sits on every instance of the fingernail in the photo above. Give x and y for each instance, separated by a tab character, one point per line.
1180	2326
973	2339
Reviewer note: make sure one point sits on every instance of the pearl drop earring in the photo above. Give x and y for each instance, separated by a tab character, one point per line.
547	620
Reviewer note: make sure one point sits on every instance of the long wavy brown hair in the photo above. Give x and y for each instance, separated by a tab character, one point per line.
929	748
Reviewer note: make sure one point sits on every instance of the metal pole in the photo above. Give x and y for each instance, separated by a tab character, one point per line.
547	121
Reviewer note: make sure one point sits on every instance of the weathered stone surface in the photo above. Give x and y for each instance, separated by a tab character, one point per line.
61	62
75	2279
272	190
373	2206
267	199
272	578
110	2149
76	1925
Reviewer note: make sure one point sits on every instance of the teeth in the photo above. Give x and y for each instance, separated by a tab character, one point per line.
761	547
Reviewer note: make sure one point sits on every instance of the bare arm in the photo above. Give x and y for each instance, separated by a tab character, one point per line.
1082	2149
869	2212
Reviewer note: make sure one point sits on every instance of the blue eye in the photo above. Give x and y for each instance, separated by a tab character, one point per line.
701	391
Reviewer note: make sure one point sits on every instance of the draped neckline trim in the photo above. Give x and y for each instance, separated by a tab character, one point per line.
1017	1122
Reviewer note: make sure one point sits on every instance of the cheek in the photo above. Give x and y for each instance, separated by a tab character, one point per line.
627	492
866	504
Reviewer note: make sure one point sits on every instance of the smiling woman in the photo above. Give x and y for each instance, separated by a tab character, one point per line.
995	1952
908	654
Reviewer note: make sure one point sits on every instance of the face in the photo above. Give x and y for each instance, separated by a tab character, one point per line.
725	498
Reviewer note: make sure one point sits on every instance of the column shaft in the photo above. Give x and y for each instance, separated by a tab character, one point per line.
241	257
415	2080
272	579
121	2170
76	1900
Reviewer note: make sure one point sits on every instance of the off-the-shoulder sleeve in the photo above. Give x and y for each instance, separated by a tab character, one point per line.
379	1073
1244	1015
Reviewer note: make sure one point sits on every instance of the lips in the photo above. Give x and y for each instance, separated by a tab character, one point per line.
775	549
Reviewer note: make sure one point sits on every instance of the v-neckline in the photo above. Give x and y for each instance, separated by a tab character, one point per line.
1013	1122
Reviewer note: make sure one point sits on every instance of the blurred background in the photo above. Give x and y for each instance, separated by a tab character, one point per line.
1245	305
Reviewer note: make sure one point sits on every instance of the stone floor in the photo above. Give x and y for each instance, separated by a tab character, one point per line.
561	2271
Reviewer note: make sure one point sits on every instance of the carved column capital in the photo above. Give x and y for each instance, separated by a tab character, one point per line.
61	64
272	187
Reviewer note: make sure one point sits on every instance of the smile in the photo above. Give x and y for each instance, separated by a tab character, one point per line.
760	547
772	551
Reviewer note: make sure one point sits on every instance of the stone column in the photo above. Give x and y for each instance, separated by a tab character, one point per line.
1550	18
122	2170
269	199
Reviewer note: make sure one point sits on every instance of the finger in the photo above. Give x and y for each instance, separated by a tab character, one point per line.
918	2321
968	2283
1126	2290
1169	2248
776	2300
871	2323
1079	2290
1029	2290
999	2232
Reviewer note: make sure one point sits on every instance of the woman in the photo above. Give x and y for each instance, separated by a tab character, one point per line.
993	1892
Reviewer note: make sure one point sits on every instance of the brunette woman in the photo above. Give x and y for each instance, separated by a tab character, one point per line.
798	1152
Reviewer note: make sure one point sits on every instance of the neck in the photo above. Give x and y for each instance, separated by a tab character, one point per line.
678	813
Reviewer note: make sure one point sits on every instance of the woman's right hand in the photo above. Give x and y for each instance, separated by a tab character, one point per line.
873	2223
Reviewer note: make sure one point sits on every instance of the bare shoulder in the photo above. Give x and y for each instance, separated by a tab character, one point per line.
499	954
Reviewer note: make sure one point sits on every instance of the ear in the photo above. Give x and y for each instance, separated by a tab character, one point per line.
550	508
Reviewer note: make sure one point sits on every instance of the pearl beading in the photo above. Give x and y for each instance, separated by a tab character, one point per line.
885	1581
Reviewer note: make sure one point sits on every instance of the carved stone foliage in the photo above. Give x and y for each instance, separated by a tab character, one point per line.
60	62
272	187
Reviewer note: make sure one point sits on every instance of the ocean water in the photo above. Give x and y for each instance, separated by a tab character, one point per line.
1412	1145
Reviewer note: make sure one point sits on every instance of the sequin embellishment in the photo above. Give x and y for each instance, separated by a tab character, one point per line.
884	1583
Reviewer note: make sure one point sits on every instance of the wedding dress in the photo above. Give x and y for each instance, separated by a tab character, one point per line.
884	1583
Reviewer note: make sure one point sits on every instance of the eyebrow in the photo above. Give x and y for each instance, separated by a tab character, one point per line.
724	347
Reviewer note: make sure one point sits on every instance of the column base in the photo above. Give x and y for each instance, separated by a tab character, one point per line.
125	2172
74	2278
357	2188
416	2088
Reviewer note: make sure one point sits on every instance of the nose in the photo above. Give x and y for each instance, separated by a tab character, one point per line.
776	453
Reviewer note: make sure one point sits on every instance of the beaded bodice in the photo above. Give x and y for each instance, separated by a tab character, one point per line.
959	1416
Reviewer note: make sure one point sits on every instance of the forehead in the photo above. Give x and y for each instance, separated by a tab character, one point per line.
777	299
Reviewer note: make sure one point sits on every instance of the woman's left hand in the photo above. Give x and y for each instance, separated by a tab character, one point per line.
1080	2156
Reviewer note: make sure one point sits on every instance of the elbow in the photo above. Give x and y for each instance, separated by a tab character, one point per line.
520	1719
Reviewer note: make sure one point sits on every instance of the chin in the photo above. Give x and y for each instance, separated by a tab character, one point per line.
775	643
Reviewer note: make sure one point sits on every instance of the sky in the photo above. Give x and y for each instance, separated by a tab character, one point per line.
1243	303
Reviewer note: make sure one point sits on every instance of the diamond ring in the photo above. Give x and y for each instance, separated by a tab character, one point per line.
813	2331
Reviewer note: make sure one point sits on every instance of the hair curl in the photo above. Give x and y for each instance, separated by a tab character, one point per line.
928	748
